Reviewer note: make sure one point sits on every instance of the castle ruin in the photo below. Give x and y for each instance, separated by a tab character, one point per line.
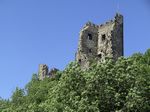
96	42
100	41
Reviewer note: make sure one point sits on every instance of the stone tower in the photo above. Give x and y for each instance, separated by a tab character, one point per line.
43	71
100	41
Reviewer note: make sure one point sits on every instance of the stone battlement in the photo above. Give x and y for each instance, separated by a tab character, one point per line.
90	24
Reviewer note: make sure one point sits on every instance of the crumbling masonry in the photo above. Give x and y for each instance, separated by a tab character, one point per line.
100	41
45	72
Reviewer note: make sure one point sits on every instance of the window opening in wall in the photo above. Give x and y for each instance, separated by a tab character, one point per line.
103	37
79	60
100	55
90	50
90	36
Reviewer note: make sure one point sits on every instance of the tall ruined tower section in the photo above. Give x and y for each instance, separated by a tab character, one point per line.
100	41
43	71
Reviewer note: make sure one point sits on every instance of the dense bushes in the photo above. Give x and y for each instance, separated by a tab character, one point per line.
121	86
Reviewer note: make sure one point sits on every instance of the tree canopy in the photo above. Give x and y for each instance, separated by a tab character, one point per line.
111	86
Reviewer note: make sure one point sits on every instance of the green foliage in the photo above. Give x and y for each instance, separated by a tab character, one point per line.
121	86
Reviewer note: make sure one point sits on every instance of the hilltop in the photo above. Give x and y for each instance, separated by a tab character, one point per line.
117	86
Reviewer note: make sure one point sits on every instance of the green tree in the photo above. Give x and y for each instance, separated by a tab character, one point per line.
117	86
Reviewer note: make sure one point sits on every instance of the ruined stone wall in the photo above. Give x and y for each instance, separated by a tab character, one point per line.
105	40
87	49
100	41
117	37
45	72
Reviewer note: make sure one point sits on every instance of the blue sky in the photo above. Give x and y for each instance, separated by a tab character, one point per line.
47	31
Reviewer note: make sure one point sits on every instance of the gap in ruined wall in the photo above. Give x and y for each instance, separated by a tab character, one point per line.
90	36
99	55
103	37
90	50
